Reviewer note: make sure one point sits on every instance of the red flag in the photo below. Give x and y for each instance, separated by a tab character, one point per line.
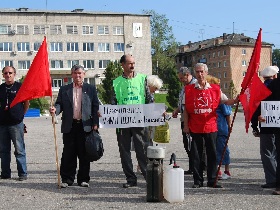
37	82
254	62
251	98
253	90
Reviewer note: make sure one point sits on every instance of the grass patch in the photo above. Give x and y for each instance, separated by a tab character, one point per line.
161	98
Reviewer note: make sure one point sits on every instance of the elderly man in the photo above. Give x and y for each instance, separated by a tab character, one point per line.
186	78
79	105
200	120
267	138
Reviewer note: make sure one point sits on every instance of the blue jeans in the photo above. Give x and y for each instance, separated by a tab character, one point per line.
14	133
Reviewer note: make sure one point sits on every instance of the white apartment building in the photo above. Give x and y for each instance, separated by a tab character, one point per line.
90	39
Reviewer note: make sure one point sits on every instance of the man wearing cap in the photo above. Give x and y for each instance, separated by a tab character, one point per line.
267	138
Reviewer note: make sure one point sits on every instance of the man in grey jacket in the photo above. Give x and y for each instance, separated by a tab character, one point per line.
79	105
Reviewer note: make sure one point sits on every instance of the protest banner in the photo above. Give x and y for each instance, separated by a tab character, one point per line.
270	111
136	115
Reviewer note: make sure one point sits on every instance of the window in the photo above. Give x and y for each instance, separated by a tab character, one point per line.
57	82
225	74
118	47
56	46
225	64
23	65
6	46
36	46
22	29
225	85
71	63
219	53
118	30
88	47
213	55
72	47
219	75
209	55
88	64
225	52
103	64
5	29
214	65
4	63
56	64
39	29
103	47
244	73
72	29
55	29
219	64
23	46
243	63
103	30
88	30
243	51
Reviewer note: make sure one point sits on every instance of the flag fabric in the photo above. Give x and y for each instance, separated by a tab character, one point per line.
253	90
251	98
37	82
254	62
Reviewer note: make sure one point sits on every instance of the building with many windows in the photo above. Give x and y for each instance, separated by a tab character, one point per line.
227	58
91	39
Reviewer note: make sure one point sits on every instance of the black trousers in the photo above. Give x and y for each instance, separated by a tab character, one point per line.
74	147
197	155
277	144
186	146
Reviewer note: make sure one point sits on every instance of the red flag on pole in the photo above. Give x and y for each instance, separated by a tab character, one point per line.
254	63
253	90
37	82
251	98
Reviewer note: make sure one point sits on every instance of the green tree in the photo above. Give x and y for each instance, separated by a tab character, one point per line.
276	57
112	71
174	86
164	48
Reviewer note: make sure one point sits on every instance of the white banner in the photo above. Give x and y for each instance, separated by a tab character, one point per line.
270	111
124	116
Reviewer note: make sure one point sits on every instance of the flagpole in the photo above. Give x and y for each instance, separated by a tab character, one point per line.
225	147
55	144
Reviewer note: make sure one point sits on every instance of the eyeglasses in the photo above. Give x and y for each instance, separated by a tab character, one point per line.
5	73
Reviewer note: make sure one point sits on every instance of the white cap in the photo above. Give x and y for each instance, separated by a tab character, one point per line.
269	71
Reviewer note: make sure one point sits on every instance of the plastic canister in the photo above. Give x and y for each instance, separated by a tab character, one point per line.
173	183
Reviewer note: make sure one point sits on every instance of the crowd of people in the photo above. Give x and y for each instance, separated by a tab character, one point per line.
205	123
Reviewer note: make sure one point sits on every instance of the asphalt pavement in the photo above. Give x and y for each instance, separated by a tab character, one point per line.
40	191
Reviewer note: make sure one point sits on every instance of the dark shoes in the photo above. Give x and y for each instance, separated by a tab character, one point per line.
216	186
22	178
129	184
189	172
197	185
5	177
276	192
269	185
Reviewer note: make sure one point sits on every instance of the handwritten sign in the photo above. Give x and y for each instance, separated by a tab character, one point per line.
270	111
124	116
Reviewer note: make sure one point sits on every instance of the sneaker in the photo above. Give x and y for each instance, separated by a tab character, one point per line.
64	185
225	176
220	175
84	184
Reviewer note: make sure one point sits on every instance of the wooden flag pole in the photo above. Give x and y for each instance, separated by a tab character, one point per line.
225	147
55	144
